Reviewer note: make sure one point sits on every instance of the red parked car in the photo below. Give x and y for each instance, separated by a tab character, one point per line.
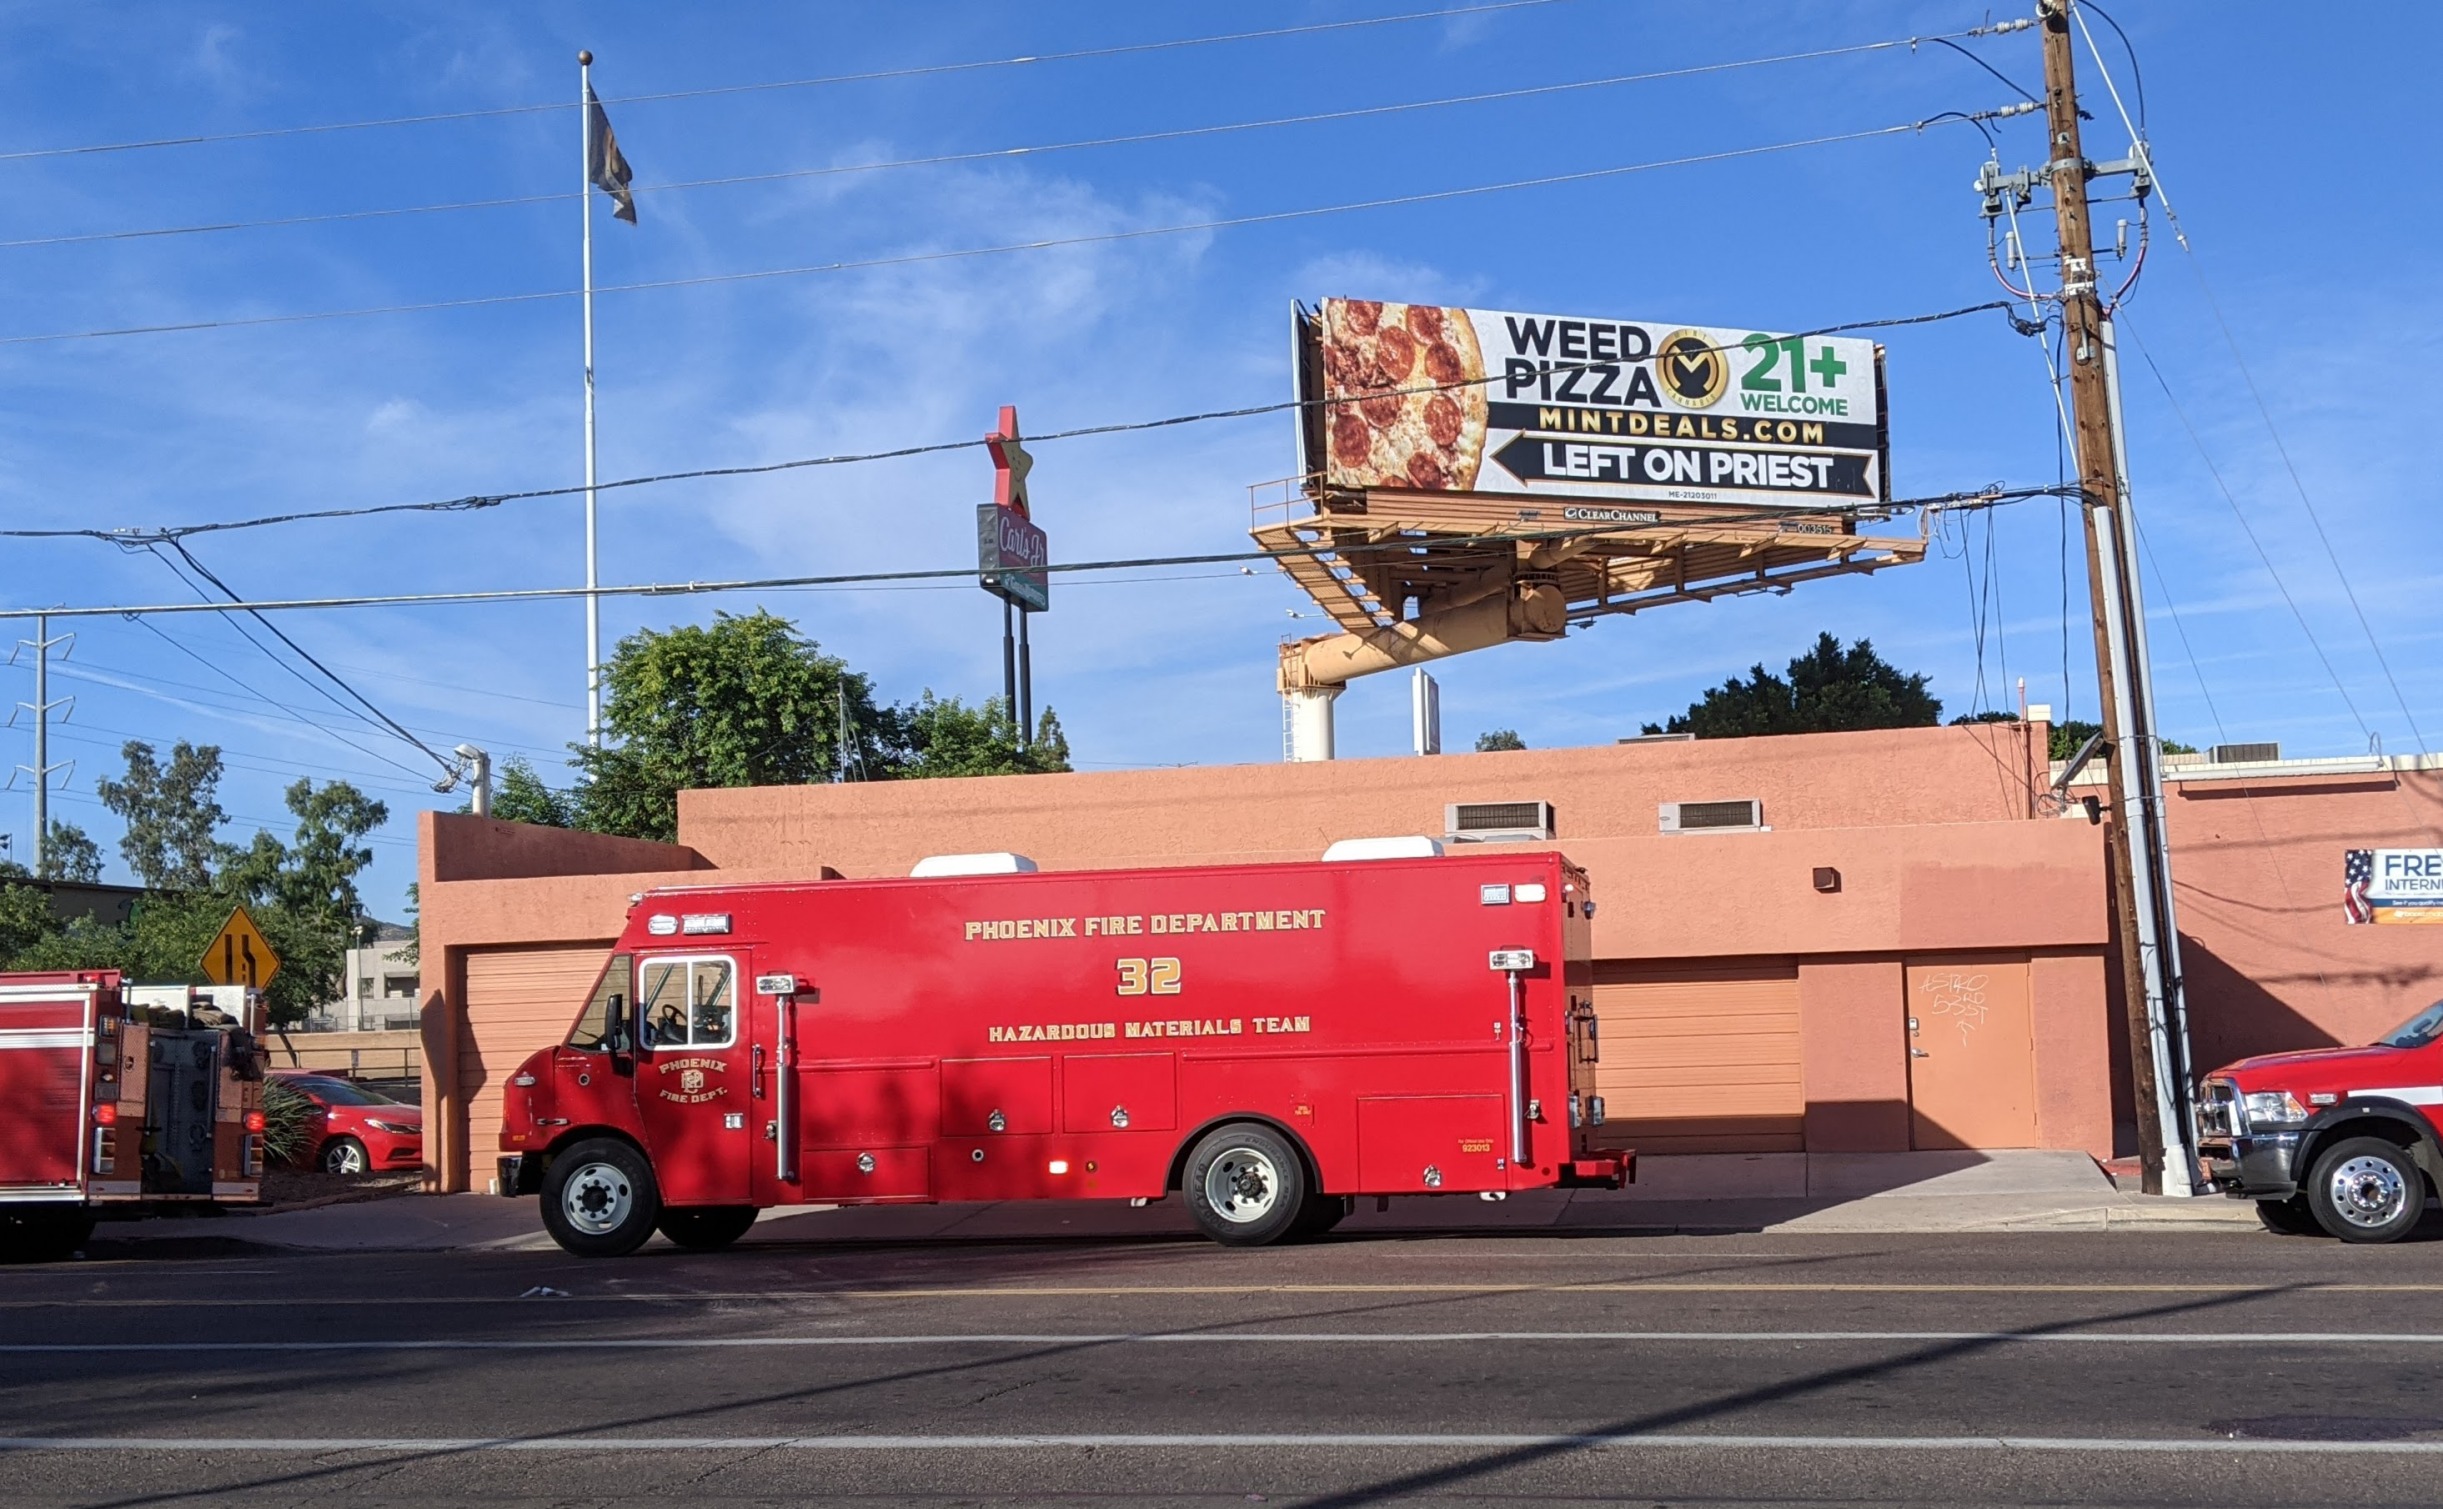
362	1130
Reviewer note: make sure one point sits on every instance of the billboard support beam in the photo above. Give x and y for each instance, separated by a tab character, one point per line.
1310	721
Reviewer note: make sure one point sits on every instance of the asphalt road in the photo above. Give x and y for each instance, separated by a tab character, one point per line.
2103	1368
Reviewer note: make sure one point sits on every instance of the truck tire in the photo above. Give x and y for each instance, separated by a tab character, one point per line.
43	1233
707	1228
2365	1189
2288	1218
599	1199
1245	1185
344	1155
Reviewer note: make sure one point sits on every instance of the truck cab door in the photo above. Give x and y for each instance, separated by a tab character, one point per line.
693	1079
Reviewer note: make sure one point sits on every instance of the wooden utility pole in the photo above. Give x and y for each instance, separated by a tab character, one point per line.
2119	679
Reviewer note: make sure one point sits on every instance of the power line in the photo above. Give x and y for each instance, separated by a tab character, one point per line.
913	71
2139	147
2247	528
137	537
242	685
261	709
448	767
1989	497
989	154
908	259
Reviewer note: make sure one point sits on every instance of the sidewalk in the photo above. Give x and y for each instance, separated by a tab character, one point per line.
1768	1192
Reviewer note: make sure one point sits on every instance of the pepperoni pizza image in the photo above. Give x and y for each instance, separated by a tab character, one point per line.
1405	395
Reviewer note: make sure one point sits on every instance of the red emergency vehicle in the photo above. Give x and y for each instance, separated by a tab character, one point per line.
2342	1140
108	1105
1271	1041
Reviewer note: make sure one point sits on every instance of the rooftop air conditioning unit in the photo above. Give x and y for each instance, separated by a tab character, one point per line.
1498	822
1746	815
2245	754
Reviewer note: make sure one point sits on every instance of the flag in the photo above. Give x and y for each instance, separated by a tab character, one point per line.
603	164
2357	873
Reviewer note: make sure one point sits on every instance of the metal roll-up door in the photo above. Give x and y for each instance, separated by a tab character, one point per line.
517	1000
1700	1059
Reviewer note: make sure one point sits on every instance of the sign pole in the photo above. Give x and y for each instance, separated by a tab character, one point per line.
1026	682
1009	663
593	603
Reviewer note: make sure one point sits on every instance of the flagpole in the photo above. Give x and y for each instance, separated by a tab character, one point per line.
593	603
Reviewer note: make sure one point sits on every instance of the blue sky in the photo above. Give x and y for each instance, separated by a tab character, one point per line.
2298	198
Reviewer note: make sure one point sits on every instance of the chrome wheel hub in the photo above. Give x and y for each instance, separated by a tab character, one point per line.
597	1199
2368	1192
1242	1185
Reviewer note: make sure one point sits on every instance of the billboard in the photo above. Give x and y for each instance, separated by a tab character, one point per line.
1422	397
2392	885
1011	552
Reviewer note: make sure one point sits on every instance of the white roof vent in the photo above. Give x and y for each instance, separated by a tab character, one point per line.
1406	846
936	866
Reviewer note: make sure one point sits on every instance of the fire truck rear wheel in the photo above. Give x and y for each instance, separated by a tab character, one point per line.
707	1228
43	1233
1245	1185
2365	1189
599	1199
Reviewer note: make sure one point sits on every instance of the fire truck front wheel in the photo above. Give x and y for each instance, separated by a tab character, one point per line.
1245	1185
599	1200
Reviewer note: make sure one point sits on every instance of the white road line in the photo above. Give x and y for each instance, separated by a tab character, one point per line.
1240	1338
1229	1442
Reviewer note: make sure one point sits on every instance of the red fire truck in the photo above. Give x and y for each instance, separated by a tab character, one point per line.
113	1106
1271	1041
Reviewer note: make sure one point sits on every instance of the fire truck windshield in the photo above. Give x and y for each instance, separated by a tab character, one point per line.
604	1027
2418	1031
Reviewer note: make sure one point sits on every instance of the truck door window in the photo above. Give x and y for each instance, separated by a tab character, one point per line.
604	1026
687	1003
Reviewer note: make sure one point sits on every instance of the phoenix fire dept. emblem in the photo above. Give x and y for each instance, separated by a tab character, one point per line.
691	1088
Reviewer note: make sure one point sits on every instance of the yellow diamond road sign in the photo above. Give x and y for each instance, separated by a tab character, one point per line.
240	955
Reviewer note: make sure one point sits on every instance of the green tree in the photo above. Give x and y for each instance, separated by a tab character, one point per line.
2069	735
302	893
1828	690
523	796
67	854
1500	738
743	701
946	737
171	813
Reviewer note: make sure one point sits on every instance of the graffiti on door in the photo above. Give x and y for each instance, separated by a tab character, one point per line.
1959	995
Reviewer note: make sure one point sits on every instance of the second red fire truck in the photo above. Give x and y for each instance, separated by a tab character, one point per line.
1271	1042
113	1106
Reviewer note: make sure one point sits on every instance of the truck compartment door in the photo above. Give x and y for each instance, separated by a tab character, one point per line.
865	1129
42	1071
1102	1092
983	1097
1420	1143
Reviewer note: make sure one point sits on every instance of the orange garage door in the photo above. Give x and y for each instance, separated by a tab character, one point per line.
1700	1059
517	1000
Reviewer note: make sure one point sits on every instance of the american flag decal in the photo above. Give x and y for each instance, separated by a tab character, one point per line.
2357	873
